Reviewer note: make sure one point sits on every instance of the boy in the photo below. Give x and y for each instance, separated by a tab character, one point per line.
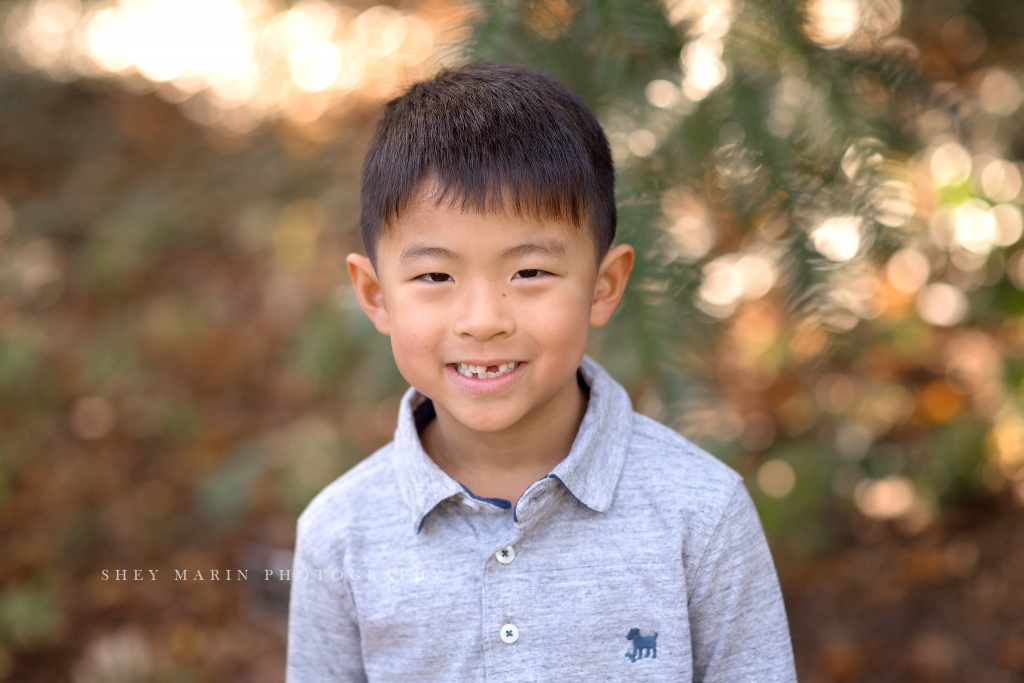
525	524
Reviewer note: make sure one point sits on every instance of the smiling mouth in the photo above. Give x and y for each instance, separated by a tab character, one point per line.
485	371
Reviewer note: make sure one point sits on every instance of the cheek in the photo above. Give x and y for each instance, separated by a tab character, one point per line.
563	322
412	353
416	329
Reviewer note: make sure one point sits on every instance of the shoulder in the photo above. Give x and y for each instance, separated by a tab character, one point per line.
666	468
657	448
343	504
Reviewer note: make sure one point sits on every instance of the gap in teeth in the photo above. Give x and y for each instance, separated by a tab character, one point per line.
481	371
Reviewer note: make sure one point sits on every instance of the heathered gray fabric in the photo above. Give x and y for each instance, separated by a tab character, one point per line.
636	528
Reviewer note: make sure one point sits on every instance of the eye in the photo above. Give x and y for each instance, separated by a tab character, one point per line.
528	273
435	277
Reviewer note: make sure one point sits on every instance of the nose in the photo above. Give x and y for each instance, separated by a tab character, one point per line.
483	313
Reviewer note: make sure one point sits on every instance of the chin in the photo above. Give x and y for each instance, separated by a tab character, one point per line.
486	421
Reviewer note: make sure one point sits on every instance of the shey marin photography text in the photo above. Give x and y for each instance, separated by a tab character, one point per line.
272	575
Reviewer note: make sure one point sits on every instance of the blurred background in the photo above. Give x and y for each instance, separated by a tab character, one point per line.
825	197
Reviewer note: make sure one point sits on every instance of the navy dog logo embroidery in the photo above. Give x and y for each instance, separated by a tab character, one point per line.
643	646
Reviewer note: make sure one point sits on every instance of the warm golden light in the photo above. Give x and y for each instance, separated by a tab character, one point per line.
230	63
950	164
1000	92
942	304
732	278
974	226
700	59
776	478
831	23
908	270
838	238
886	498
662	93
1001	181
854	24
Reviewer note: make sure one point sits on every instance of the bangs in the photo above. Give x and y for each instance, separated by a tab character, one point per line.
498	194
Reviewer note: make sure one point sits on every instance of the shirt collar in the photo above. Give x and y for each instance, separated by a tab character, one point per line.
589	472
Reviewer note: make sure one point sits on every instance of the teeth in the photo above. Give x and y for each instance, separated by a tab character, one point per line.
480	371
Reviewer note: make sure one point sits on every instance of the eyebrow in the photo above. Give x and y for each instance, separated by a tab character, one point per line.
541	248
422	251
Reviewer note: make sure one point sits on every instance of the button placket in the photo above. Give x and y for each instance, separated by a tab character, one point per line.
503	584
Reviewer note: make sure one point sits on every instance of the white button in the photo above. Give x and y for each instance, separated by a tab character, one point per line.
509	633
505	555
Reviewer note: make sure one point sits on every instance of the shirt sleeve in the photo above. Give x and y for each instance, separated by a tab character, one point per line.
737	618
323	634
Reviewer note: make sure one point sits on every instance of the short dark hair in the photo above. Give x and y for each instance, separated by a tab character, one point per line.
493	137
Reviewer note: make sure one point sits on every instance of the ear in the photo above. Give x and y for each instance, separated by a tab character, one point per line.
612	275
368	291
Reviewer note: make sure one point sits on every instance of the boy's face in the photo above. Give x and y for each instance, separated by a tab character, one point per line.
458	291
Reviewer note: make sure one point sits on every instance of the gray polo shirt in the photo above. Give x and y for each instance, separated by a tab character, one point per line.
638	558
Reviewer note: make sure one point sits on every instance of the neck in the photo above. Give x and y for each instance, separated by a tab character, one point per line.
503	464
